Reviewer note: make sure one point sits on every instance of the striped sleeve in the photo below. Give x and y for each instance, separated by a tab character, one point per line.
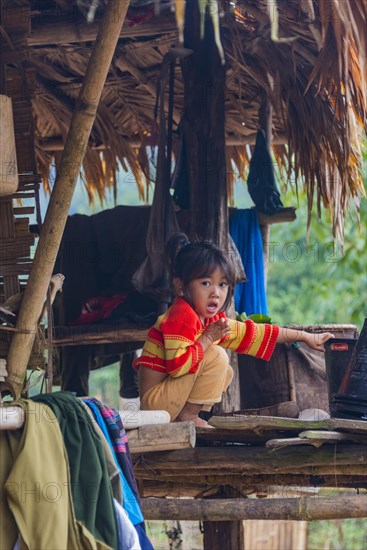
153	355
182	353
250	338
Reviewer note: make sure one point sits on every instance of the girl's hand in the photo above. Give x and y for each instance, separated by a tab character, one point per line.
316	341
215	331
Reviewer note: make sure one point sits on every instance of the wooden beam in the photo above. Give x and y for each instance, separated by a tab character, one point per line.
264	423
250	139
69	32
162	437
62	194
57	144
323	476
247	484
340	459
303	508
98	334
216	476
286	214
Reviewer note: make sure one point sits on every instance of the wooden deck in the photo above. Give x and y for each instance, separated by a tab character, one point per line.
239	457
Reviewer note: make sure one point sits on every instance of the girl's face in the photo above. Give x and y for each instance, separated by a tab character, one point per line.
208	294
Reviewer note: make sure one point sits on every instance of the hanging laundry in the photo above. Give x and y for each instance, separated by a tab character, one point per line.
130	500
36	502
261	180
113	471
180	178
111	424
90	485
249	297
98	308
128	537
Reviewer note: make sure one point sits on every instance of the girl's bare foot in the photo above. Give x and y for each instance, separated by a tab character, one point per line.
199	422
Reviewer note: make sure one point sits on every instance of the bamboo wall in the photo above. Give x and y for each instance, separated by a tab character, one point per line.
275	535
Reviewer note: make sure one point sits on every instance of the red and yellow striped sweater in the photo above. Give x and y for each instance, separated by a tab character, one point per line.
171	346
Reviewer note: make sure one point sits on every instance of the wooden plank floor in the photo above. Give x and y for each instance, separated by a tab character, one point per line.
238	457
260	429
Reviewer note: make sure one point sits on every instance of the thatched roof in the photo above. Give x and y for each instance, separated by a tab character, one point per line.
311	59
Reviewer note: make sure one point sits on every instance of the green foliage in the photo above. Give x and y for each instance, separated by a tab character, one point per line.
318	282
104	384
347	534
256	317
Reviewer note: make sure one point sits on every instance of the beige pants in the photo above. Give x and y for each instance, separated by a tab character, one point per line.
205	387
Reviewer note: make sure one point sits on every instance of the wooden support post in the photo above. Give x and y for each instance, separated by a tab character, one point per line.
67	175
204	131
204	134
227	510
266	121
224	534
220	534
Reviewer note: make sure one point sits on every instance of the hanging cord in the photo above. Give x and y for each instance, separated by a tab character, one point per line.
50	328
28	385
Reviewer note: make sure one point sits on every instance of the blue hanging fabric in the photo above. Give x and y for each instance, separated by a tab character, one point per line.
249	297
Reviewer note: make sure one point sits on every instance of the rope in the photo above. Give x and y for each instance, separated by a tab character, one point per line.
15	329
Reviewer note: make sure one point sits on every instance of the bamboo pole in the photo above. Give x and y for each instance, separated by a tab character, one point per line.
303	508
58	208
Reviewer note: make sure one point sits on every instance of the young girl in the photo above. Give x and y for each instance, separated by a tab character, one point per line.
184	367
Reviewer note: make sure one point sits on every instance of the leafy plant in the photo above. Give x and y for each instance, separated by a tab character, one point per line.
256	317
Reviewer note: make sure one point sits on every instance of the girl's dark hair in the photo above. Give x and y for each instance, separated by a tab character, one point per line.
197	259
